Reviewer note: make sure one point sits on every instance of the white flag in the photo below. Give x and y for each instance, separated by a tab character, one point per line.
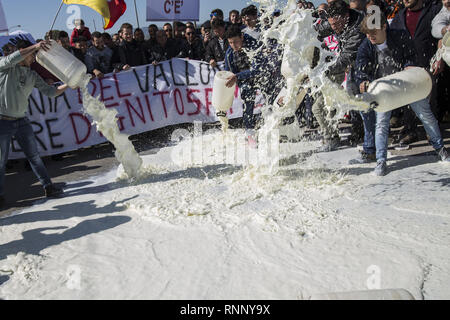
3	23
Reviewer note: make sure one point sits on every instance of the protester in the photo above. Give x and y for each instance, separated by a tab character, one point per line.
206	33
238	62
192	47
80	48
179	31
382	53
98	57
250	18
344	22
139	35
216	14
168	30
152	29
165	49
441	22
416	19
190	25
107	39
234	18
80	30
129	53
215	51
17	81
440	26
63	41
116	39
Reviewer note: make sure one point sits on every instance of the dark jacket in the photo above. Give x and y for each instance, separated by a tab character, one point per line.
244	69
194	51
214	50
349	41
78	54
402	52
424	42
131	53
159	54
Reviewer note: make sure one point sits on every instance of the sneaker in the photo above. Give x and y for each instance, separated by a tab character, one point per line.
330	145
443	154
380	169
409	138
53	191
402	147
364	158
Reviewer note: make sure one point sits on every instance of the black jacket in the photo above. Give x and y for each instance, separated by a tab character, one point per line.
214	50
425	44
131	53
194	51
349	41
158	53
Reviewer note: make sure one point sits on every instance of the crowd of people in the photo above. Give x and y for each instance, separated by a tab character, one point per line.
410	34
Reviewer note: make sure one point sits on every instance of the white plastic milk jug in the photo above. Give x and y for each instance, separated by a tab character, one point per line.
398	89
222	97
63	65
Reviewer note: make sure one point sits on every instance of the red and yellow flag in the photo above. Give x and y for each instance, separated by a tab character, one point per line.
111	10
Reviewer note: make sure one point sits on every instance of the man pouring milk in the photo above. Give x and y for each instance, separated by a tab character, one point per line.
17	82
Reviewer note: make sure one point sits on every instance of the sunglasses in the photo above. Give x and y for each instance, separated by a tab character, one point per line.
213	14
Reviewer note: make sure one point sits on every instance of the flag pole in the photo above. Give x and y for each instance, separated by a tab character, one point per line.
54	20
135	9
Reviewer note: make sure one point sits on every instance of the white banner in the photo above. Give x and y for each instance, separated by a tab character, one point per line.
147	98
173	10
3	23
14	37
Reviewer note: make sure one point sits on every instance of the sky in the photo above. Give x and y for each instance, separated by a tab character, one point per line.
36	16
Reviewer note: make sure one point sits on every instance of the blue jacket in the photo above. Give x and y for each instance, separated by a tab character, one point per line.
249	44
402	49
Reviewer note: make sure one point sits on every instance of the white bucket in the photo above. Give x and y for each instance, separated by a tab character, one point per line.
398	89
63	65
222	97
446	48
386	294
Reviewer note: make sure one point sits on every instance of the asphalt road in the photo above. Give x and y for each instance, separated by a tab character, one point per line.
23	189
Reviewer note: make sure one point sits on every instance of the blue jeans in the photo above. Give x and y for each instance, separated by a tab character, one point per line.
23	132
248	95
376	128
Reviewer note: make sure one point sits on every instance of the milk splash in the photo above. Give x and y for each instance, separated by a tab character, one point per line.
106	122
294	31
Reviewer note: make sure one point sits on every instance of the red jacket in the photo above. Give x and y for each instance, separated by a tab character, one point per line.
76	33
